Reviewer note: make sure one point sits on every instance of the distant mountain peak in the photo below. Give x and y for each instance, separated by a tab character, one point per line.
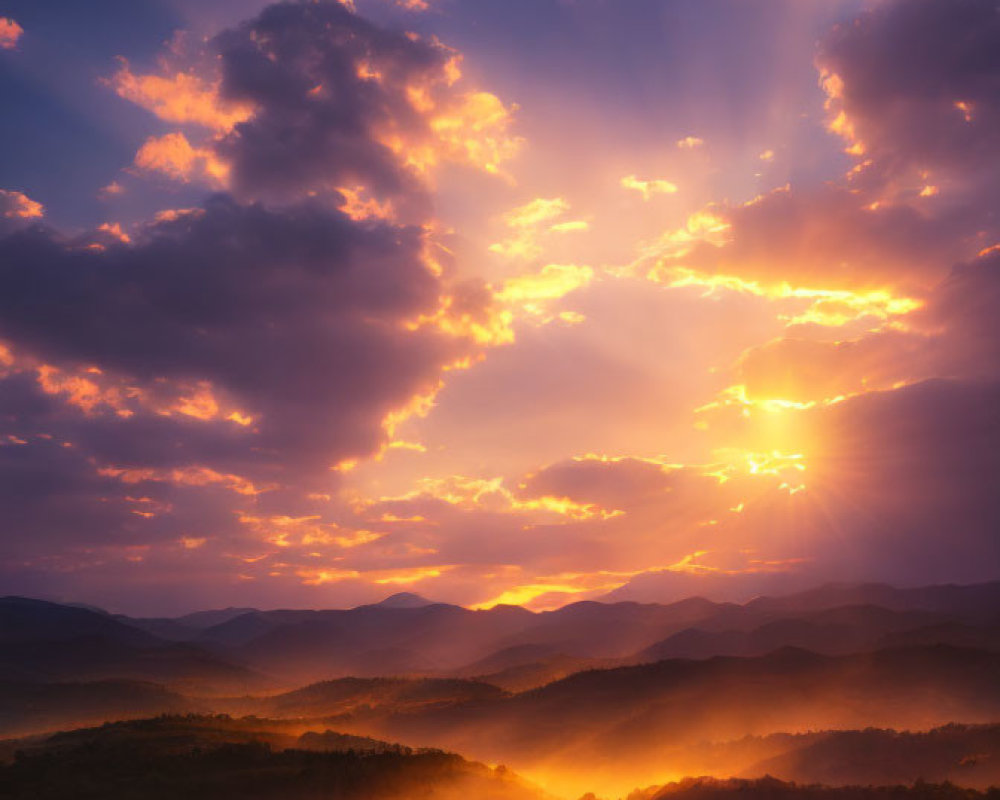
405	600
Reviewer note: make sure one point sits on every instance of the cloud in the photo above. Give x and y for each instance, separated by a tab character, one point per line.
954	335
18	206
966	305
916	83
313	98
294	319
197	384
826	237
18	211
531	223
911	88
619	482
552	282
340	101
648	188
537	211
192	386
179	97
239	393
172	155
10	33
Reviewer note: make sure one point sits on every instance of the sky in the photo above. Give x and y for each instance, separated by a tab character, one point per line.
496	301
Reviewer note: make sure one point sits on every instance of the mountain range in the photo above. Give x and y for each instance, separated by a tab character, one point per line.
601	695
241	650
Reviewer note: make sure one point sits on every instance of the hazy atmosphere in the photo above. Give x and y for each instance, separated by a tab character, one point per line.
645	354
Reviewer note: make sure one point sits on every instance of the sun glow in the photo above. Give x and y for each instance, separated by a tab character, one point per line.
734	462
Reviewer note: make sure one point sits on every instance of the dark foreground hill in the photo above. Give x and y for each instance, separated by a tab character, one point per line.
27	707
183	733
773	789
163	760
194	757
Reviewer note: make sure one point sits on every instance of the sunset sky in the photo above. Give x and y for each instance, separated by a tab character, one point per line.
496	301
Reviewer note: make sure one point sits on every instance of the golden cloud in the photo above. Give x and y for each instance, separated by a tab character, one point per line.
174	156
530	223
17	205
306	531
179	97
194	475
648	188
10	33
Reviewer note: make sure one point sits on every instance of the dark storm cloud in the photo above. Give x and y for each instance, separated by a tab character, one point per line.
324	82
918	86
904	67
295	315
219	360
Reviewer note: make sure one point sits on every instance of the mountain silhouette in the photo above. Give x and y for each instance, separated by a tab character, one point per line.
405	600
407	635
45	641
25	620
